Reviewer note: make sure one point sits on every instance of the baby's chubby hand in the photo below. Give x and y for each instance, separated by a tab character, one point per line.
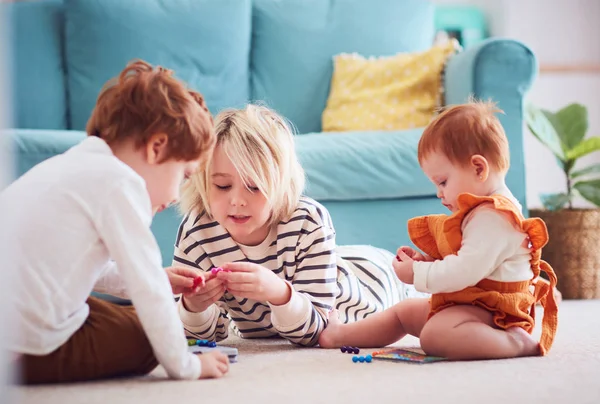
414	254
403	266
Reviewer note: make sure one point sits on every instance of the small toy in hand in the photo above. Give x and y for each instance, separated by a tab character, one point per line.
406	355
349	349
216	270
361	359
197	282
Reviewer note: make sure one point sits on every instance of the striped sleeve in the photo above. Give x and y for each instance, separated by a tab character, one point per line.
315	288
213	323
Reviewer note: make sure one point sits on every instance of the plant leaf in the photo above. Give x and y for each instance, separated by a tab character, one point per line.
570	123
554	201
542	129
589	190
587	146
585	171
566	166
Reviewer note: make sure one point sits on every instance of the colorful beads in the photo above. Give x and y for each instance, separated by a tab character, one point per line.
350	349
202	342
216	270
197	282
362	359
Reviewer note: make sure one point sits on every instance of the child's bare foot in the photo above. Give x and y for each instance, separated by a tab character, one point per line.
329	336
529	346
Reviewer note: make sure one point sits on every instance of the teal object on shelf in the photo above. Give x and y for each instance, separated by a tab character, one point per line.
465	23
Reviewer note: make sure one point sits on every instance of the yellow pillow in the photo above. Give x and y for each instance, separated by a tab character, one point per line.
386	93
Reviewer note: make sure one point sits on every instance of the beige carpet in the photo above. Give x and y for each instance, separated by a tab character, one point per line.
274	371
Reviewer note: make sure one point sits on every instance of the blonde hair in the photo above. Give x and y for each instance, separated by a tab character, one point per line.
462	131
260	145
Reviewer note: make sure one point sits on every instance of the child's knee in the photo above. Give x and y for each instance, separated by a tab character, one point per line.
433	340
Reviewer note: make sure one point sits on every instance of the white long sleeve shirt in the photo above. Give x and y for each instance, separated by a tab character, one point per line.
492	248
81	221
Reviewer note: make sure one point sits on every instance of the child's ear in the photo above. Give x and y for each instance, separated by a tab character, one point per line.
481	166
156	147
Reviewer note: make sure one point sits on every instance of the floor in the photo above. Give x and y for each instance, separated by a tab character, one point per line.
275	371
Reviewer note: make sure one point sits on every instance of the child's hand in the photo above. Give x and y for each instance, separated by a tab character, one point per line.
403	266
182	279
253	281
414	254
201	299
214	364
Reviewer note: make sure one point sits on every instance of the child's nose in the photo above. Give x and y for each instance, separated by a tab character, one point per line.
440	194
238	200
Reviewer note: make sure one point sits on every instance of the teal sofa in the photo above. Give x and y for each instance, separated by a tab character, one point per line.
278	52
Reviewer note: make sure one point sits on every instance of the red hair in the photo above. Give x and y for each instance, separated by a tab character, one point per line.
143	101
461	131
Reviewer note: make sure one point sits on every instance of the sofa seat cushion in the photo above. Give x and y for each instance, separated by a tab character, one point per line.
363	165
205	42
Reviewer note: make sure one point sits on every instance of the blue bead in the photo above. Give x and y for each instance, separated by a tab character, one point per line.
343	349
368	358
361	358
356	350
212	344
355	359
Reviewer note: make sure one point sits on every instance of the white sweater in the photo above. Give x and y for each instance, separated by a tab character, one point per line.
492	248
81	221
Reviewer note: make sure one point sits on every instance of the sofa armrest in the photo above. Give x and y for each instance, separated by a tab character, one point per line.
502	70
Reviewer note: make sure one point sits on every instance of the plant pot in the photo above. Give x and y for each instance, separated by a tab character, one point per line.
573	250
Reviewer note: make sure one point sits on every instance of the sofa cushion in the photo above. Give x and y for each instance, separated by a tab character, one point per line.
36	71
398	92
363	165
206	43
294	42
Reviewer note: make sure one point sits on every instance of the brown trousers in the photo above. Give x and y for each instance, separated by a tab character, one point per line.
111	343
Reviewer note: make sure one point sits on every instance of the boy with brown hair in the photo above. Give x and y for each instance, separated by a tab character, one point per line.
81	222
481	264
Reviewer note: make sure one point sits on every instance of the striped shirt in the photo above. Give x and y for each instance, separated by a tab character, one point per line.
301	251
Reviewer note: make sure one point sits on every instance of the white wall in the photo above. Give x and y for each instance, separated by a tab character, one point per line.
560	32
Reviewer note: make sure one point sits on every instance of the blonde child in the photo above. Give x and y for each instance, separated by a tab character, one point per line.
81	222
481	264
246	214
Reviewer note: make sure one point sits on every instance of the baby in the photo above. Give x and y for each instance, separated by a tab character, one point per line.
481	264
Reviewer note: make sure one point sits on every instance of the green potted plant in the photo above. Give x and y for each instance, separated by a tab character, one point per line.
574	246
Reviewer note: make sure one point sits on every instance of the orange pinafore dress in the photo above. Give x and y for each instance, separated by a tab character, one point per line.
512	303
